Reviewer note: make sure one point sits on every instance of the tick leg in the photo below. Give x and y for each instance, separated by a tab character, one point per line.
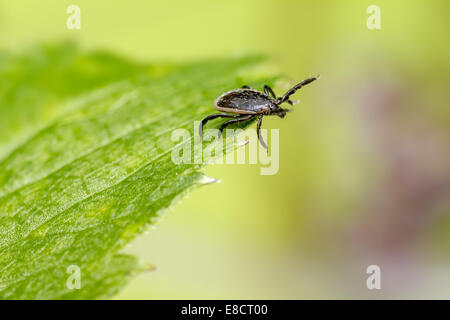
246	87
258	131
268	91
214	116
226	124
295	88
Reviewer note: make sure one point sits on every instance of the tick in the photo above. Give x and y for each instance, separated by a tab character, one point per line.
246	104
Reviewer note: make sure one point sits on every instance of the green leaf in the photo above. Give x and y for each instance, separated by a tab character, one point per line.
86	147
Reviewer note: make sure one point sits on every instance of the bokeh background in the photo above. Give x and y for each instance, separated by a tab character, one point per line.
364	160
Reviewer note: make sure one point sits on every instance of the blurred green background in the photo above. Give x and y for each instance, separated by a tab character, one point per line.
364	160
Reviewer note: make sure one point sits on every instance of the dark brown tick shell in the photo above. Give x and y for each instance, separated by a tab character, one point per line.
244	101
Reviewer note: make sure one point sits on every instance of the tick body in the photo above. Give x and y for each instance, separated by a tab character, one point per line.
246	103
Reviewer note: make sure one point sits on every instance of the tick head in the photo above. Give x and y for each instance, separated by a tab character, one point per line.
274	107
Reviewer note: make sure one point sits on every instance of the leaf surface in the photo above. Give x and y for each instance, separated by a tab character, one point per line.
86	165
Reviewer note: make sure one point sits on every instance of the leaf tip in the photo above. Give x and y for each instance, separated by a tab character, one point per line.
205	180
